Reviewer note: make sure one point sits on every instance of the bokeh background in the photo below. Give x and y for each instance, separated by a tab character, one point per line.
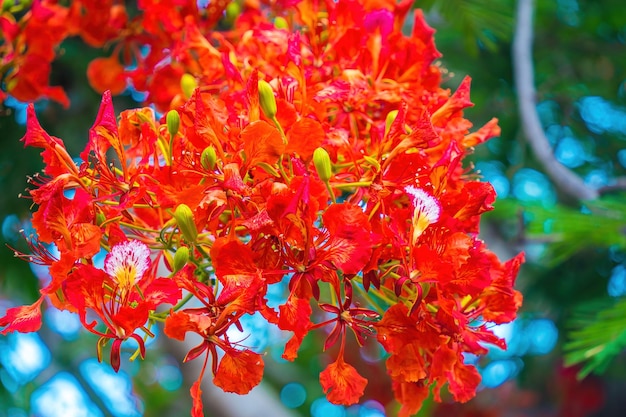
565	355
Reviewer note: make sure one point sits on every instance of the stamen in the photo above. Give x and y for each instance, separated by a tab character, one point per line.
427	210
127	262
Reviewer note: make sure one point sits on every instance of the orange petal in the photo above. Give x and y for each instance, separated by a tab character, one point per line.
342	384
106	74
239	371
23	319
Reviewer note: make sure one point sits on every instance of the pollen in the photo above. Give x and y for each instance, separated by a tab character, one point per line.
127	262
426	210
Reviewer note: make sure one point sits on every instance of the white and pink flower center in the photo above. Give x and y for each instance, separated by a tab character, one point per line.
426	210
127	263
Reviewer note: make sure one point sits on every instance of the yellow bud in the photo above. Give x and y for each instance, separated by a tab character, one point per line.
188	83
208	158
173	122
281	23
391	117
321	160
180	258
267	99
185	222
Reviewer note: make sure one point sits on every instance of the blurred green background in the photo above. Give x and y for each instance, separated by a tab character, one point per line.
574	281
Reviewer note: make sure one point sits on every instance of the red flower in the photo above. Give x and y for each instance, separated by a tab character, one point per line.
345	179
122	295
239	370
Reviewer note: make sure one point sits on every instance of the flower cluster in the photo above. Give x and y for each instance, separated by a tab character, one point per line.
32	31
312	143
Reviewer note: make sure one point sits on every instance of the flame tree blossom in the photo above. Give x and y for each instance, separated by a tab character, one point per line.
311	143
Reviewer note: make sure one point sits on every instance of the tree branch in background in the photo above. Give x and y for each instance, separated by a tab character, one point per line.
565	180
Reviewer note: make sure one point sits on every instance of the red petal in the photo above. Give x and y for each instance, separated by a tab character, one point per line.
407	365
488	131
350	244
295	316
304	137
106	74
239	371
115	354
162	291
177	324
103	134
262	143
54	155
341	382
463	382
458	101
23	319
196	395
411	395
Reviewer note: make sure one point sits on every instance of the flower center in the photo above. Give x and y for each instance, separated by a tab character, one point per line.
426	210
127	262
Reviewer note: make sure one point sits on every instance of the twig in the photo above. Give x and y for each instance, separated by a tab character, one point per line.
618	185
566	180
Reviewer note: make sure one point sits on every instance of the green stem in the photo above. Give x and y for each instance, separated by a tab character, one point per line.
353	184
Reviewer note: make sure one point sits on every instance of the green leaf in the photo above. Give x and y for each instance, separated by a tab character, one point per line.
598	335
481	22
564	230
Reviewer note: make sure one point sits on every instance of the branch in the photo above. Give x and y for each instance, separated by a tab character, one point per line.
618	185
566	180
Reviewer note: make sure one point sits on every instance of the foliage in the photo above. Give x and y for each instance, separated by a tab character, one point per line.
598	334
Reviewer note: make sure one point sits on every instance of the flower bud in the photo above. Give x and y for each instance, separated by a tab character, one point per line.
100	218
208	158
267	99
233	10
281	23
186	224
173	122
391	117
180	258
188	84
372	161
321	160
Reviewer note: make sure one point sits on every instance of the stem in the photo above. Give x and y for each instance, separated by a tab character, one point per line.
565	179
353	184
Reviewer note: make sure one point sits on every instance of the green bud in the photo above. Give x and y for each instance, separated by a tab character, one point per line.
186	224
180	258
208	158
188	83
391	117
267	99
173	122
100	218
321	160
372	161
233	10
281	23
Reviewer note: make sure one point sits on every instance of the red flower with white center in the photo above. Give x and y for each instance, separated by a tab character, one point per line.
122	295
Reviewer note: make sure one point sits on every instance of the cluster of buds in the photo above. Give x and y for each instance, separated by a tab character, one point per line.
311	144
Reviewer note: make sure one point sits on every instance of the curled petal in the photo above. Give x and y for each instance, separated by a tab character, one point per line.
196	395
115	354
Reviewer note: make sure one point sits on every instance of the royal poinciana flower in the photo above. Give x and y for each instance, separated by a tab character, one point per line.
318	148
